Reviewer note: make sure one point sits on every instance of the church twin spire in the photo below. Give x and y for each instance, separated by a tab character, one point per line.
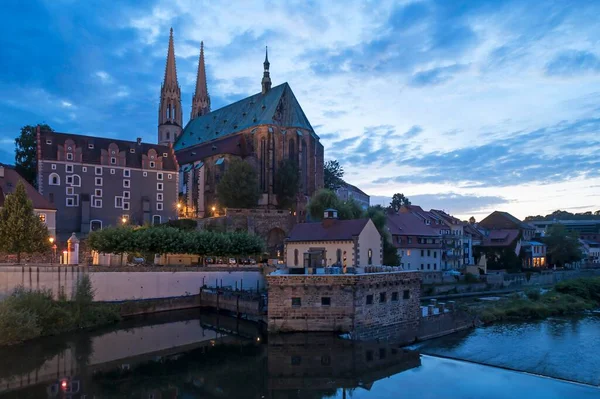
170	122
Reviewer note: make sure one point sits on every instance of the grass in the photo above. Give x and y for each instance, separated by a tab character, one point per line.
569	297
28	314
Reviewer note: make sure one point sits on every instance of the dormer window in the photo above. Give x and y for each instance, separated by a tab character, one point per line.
113	160
152	164
427	222
69	156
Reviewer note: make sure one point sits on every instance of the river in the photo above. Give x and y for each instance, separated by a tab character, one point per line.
201	355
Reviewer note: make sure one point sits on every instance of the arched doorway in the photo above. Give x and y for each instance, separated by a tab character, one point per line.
275	243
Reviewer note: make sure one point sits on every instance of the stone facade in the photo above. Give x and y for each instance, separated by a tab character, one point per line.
350	303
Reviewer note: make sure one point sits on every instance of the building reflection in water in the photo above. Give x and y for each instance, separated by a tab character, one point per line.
192	355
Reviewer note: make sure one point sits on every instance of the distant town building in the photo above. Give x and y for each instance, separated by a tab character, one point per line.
587	229
95	182
41	206
333	242
348	191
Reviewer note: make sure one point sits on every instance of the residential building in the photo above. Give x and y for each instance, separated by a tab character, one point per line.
94	181
461	243
419	244
591	250
347	191
499	220
264	130
534	254
588	229
9	178
333	242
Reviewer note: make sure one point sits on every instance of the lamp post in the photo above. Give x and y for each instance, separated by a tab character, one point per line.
124	220
214	210
51	239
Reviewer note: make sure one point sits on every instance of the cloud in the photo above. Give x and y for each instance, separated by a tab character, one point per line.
435	76
573	62
103	76
413	132
66	104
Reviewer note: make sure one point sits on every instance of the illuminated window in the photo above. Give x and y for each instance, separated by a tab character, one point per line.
42	217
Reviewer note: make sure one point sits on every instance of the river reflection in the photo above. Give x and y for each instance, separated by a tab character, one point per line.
194	355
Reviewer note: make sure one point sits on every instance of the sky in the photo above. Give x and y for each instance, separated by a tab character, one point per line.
466	106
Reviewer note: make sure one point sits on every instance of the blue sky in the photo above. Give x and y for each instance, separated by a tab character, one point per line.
468	106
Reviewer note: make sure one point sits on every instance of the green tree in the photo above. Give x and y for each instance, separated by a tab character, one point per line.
287	183
21	230
333	175
349	209
322	200
563	247
26	152
390	254
238	187
398	200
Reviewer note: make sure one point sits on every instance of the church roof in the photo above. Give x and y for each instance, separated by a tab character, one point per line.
278	106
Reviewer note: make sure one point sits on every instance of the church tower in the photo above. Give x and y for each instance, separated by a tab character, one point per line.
169	112
266	80
201	99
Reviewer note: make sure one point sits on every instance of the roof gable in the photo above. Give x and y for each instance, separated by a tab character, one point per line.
339	230
278	106
8	184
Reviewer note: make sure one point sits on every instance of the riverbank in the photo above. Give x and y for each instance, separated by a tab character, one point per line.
566	298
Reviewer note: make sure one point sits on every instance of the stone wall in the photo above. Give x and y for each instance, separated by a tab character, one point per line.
441	324
339	302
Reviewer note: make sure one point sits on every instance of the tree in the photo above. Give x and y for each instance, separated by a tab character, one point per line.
322	200
21	230
26	152
238	187
333	174
287	183
398	200
349	209
563	247
390	254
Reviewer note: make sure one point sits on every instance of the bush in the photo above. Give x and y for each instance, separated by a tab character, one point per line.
471	278
533	294
16	325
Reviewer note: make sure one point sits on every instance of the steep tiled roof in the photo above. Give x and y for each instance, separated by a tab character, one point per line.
93	155
278	106
338	230
8	184
500	238
407	223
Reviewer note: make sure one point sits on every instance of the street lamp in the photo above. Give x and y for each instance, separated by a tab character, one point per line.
124	220
51	239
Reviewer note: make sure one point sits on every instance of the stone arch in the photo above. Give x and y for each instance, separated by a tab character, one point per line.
275	239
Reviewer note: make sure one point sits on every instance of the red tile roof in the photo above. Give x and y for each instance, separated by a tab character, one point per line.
337	230
500	238
406	223
8	184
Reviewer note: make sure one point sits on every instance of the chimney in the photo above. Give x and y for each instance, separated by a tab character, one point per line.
329	217
139	140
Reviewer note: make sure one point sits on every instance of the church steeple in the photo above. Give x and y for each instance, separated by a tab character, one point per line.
170	120
201	99
266	80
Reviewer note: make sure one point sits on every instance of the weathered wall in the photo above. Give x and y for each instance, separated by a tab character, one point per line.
236	302
119	286
369	239
443	324
347	311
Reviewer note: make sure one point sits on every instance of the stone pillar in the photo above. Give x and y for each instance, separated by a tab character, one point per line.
72	250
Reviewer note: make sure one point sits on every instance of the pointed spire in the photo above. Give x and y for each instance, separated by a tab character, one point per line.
171	69
201	99
266	80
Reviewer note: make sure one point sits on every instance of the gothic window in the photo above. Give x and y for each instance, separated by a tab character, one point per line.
339	256
292	150
174	109
168	111
295	257
54	179
156	220
370	252
263	164
168	136
304	167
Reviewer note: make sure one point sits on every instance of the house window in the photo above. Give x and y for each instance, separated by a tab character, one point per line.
370	252
118	202
70	180
296	302
95	225
406	294
152	164
159	176
53	166
295	257
156	220
98	181
338	256
91	146
422	266
422	252
71	201
145	174
98	171
54	179
435	266
42	217
84	169
165	154
126	194
113	160
126	173
159	186
428	266
434	254
76	180
409	240
159	206
70	191
126	217
126	183
98	192
69	168
325	301
369	299
48	142
429	252
369	356
169	176
69	156
132	150
97	203
408	252
382	297
126	206
112	171
394	296
159	196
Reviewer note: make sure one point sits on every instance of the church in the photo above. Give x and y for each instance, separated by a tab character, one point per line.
263	130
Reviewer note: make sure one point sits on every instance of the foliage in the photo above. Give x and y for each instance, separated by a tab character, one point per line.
28	314
181	224
563	247
169	240
333	175
500	258
377	214
390	253
533	294
238	187
565	215
398	200
26	152
587	288
349	209
471	278
287	183
21	230
322	200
